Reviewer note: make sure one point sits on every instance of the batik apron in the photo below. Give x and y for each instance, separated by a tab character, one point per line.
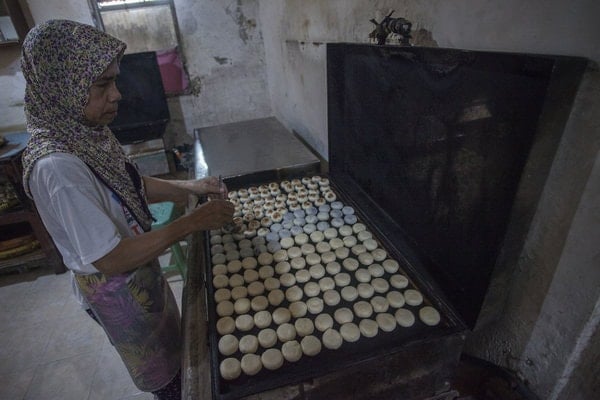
140	316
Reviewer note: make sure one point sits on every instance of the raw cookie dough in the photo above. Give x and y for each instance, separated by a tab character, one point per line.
287	279
349	293
331	297
368	328
293	293
234	266
328	257
267	338
404	317
349	263
379	254
376	270
292	351
332	339
390	266
272	359
311	346
429	315
242	306
333	268
262	319
256	288
398	281
276	297
265	272
342	279
286	332
386	322
244	322
304	326
225	325
281	315
250	275
251	364
350	332
413	297
380	304
225	308
362	275
272	283
395	298
314	305
365	290
298	309
317	271
343	315
249	263
380	285
238	292
326	283
220	281
282	267
222	295
365	258
230	368
323	322
248	344
302	276
228	345
363	309
219	269
236	280
312	289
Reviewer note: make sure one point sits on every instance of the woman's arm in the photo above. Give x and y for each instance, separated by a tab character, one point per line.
177	190
134	251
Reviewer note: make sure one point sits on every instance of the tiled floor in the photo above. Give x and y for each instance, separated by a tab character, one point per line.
50	349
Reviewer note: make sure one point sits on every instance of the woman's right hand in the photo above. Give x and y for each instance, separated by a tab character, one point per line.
211	215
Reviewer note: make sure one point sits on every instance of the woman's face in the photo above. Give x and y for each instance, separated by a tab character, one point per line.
103	98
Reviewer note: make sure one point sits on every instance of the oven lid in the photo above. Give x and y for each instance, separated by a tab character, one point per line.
432	144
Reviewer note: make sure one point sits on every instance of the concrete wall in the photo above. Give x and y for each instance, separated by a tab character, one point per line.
548	330
224	52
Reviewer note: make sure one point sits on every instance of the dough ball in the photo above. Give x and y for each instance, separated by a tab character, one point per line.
365	235
326	283
259	303
343	315
236	280
250	275
413	297
356	228
342	253
362	275
376	270
322	247
262	319
230	368
244	322
298	309
350	240
225	308
329	233
234	266
350	264
368	328
395	298
429	315
293	293
267	338
219	269
266	271
336	243
251	364
365	290
298	262
350	332
242	306
349	293
345	230
272	284
328	257
292	351
294	252
317	271
256	288
238	292
232	255
323	322
287	279
222	295
333	268
225	325
280	255
302	276
370	244
272	359
380	285
398	281
365	258
386	322
313	259
342	279
249	263
404	317
276	297
304	326
312	289
281	315
363	309
379	254
286	332
286	242
314	305
390	266
311	345
219	258
282	267
307	249
265	259
301	239
332	339
248	344
220	281
317	237
380	304
228	345
331	297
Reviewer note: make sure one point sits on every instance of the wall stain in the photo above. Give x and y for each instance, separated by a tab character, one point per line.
423	37
244	24
221	60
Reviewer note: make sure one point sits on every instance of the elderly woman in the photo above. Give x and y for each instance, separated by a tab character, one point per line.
94	203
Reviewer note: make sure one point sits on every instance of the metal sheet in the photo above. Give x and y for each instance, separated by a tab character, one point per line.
249	146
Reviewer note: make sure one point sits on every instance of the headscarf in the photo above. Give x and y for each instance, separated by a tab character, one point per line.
60	61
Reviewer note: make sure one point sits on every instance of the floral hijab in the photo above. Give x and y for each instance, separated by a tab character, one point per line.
61	59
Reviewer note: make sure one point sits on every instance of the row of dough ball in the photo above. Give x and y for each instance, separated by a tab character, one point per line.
310	345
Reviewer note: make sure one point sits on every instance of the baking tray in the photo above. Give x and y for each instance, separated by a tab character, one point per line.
350	354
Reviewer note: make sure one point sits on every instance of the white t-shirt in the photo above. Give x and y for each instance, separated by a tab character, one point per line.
82	215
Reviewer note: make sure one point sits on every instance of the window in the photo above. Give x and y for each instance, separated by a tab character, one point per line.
146	25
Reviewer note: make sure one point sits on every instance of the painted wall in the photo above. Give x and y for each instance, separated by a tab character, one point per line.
549	328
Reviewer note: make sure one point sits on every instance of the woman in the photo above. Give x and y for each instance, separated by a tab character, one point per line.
94	203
